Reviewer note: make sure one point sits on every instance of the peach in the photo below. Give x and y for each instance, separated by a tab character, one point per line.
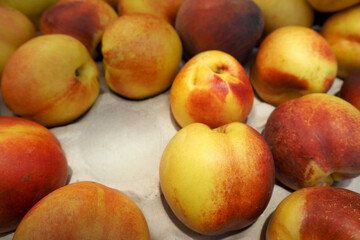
315	140
32	9
84	210
350	90
32	164
317	213
233	27
217	180
50	79
16	29
84	20
280	13
341	31
212	88
142	54
166	9
332	5
291	62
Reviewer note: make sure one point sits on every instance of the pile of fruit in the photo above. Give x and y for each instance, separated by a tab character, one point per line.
211	67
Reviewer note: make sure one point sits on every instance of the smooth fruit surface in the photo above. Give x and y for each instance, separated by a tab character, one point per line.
315	140
317	213
217	180
32	164
142	53
212	88
230	26
166	9
58	81
350	90
332	5
92	17
32	9
291	62
341	32
16	29
280	13
84	210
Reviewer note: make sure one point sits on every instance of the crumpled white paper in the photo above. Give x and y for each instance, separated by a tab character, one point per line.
119	143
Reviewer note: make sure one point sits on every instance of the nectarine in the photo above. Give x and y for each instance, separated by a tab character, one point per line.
230	26
211	88
292	61
341	31
32	164
317	213
315	140
50	79
217	180
84	210
142	54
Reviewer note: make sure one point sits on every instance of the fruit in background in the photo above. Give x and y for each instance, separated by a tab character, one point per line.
32	9
84	20
50	79
113	3
16	29
166	9
332	5
280	13
350	90
291	62
233	27
217	180
341	31
317	213
144	63
32	164
211	88
315	140
84	210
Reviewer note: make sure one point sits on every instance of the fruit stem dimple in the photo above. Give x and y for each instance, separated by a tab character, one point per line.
221	129
77	73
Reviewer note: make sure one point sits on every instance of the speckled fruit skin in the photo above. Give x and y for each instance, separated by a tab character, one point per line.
217	180
84	20
291	62
332	5
142	53
350	90
317	213
166	9
211	88
32	164
230	26
315	140
50	79
84	210
341	31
